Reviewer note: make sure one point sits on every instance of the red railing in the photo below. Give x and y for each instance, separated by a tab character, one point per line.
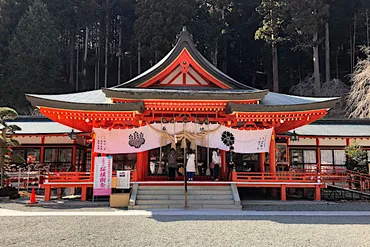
78	177
69	177
304	177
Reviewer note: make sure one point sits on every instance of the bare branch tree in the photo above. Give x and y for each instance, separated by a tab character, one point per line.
358	100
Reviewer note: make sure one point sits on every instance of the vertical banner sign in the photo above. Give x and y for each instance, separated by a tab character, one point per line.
123	178
103	176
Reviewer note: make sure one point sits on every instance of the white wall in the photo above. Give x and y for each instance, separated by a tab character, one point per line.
303	142
332	142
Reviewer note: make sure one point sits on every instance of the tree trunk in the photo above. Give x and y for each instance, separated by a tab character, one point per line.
71	59
224	63
77	61
2	160
299	67
350	49
336	64
215	57
367	28
354	41
316	64
275	69
2	163
106	46
139	59
119	52
85	54
327	53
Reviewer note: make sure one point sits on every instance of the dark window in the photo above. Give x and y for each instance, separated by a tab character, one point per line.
88	161
333	159
80	154
303	159
157	165
124	161
29	155
58	159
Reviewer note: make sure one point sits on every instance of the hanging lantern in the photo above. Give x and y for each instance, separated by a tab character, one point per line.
72	135
294	137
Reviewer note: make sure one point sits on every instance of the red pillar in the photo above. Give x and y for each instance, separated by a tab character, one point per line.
141	162
74	151
42	150
318	156
317	193
273	153
83	193
47	194
93	155
283	193
273	158
261	162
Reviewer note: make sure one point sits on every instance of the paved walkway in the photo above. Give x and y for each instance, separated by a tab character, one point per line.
15	213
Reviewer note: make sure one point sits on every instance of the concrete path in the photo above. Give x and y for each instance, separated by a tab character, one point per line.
14	213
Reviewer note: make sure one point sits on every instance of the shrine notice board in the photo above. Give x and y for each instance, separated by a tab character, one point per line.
123	178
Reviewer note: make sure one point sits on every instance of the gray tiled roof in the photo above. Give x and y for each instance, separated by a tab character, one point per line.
98	96
93	97
284	99
39	125
338	127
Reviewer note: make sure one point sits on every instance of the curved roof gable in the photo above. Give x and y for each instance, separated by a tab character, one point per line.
184	65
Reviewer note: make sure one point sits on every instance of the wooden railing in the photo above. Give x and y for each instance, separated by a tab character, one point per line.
304	177
348	179
78	177
71	177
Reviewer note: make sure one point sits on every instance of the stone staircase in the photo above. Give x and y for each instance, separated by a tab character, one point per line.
199	197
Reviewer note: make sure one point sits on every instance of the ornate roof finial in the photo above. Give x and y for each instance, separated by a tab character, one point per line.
184	33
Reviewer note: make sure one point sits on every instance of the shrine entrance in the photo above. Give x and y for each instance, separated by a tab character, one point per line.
157	168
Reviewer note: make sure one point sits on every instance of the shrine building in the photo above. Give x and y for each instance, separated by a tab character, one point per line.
184	89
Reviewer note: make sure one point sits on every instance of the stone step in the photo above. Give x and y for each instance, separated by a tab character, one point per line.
181	188
141	207
193	192
181	202
181	197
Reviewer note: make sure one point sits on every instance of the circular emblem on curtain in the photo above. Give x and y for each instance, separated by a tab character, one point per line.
228	138
136	139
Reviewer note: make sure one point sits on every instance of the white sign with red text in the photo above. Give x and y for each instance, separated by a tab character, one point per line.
103	176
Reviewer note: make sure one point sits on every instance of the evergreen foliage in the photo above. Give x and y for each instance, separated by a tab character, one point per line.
6	140
33	64
62	46
356	158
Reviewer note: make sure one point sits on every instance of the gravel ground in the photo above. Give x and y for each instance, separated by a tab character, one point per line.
340	206
184	231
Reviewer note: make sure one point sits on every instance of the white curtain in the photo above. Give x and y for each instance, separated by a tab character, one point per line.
326	157
149	137
339	157
309	156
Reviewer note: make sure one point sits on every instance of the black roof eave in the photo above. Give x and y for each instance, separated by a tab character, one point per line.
232	107
183	95
130	106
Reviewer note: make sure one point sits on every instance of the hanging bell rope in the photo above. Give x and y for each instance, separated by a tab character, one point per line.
183	136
